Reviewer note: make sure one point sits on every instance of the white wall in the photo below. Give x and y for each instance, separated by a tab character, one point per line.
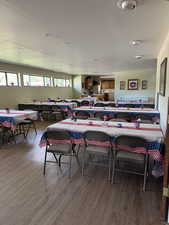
77	86
11	96
163	100
149	75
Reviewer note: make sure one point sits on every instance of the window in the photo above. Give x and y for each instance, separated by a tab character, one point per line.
68	82
47	82
2	79
59	82
12	79
33	80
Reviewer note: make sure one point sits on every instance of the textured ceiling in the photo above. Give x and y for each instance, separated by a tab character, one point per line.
81	36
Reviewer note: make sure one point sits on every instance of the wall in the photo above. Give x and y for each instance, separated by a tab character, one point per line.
149	75
163	101
77	86
11	96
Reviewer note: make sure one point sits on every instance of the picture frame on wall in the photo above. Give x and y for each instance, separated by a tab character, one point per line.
144	84
122	85
163	72
133	84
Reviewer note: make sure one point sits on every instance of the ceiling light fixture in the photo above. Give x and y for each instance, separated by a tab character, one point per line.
136	42
139	56
127	4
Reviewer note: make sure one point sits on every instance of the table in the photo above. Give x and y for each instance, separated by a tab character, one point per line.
10	119
151	132
135	104
154	114
39	105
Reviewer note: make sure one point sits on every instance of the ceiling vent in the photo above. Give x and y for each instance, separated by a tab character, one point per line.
127	4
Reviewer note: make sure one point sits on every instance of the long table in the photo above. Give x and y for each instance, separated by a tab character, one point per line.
40	105
125	104
11	118
151	132
154	114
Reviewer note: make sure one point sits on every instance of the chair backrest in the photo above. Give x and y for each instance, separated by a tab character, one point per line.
144	117
56	135
99	104
110	105
132	142
149	106
45	107
129	106
85	103
96	136
100	115
84	114
123	115
56	108
78	103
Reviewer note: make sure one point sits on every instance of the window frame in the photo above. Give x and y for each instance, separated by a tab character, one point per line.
6	79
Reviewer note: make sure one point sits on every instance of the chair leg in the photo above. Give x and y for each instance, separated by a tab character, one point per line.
55	157
83	161
114	168
27	130
70	166
34	127
60	156
110	161
145	172
44	168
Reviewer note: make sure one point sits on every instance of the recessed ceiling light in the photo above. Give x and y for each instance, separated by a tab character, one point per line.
136	42
127	4
139	56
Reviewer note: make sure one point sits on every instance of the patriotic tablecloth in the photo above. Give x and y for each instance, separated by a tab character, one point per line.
14	116
63	105
152	133
123	104
154	114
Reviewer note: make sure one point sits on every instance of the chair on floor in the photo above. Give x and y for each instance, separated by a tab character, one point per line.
24	126
121	117
6	135
110	105
100	116
99	104
129	106
45	111
57	114
97	143
85	103
83	115
127	160
59	143
77	102
144	118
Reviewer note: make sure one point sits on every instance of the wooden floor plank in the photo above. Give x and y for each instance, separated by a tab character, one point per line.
29	198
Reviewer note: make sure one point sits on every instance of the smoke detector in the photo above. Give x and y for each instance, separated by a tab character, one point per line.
127	4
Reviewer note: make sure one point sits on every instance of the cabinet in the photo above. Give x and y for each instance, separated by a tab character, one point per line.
107	84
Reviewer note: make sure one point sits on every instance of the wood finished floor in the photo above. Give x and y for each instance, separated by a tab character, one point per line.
29	198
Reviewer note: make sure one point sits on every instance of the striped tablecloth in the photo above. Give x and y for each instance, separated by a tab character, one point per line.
65	106
10	119
152	133
123	104
155	115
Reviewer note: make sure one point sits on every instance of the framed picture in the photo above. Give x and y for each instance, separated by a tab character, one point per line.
133	84
122	85
144	84
163	71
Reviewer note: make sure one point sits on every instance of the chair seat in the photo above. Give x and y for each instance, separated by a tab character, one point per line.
97	149
147	121
118	120
59	148
128	156
23	122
